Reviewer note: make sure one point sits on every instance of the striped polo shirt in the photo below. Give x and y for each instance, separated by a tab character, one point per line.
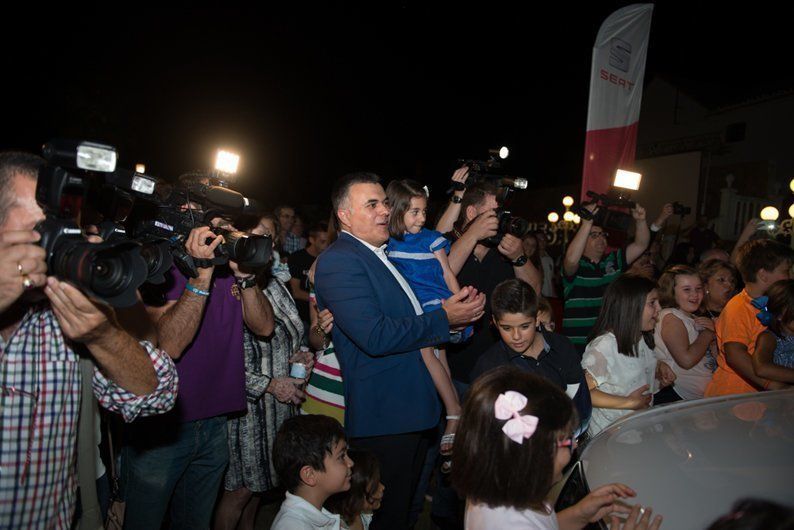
584	293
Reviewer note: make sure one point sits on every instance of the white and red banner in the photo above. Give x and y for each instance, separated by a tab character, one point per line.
615	95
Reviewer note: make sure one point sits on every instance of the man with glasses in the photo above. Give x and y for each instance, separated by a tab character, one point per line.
588	270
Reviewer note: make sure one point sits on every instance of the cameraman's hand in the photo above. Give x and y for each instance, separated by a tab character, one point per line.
20	258
81	319
667	211
484	225
511	247
197	247
638	213
460	175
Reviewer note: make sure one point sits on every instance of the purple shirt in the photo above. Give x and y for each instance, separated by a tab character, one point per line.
211	369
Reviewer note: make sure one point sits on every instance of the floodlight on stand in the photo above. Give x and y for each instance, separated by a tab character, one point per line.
501	152
628	180
227	162
140	168
770	213
568	216
567	201
553	217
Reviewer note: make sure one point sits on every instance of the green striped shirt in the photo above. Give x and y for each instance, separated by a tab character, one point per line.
584	294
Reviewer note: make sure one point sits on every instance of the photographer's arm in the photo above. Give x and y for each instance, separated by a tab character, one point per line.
451	214
570	263
483	226
642	235
511	248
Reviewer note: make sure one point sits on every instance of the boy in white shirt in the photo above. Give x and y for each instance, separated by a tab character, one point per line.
310	457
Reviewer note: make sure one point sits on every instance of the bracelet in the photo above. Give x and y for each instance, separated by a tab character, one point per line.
453	417
246	283
196	290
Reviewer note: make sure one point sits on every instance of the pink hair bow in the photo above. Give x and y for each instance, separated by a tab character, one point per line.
518	427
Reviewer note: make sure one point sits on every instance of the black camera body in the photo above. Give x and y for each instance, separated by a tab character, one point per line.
508	224
609	214
680	209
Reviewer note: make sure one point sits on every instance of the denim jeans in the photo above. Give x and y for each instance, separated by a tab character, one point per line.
180	464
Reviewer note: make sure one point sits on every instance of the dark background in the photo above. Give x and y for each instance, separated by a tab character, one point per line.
310	93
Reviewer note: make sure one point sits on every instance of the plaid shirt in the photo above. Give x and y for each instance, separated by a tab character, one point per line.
39	408
293	243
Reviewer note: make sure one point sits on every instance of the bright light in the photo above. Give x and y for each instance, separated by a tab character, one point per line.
96	157
791	211
627	179
140	168
568	216
567	201
770	213
576	219
791	185
553	217
227	162
504	152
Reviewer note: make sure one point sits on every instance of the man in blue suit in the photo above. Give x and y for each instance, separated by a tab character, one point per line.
378	330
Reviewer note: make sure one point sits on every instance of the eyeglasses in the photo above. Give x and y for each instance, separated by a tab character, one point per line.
596	235
568	442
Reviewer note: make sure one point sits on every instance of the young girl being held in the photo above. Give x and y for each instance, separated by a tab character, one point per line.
684	341
421	257
514	440
774	349
355	506
620	365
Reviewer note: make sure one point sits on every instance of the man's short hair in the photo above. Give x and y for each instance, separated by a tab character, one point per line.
13	163
341	189
318	229
475	196
514	296
281	207
761	254
304	441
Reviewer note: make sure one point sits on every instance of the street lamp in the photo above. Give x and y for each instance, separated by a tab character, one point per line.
553	217
568	216
770	213
567	201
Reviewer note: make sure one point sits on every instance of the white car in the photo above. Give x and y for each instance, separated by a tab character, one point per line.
692	460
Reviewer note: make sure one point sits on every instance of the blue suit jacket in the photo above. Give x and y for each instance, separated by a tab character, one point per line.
377	336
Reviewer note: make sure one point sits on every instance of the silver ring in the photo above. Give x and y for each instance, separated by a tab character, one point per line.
27	283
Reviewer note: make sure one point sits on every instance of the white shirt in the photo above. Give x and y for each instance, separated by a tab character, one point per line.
296	513
547	290
482	517
381	253
691	383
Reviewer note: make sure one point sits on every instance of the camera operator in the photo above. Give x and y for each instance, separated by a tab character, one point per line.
40	378
181	457
483	267
587	272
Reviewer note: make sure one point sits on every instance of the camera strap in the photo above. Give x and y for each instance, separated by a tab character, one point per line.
205	263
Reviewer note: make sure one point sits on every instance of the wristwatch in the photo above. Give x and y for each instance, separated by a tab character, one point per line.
521	261
455	199
245	283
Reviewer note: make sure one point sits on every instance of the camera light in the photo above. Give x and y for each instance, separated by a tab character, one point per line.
770	213
142	184
140	168
576	219
227	162
568	216
501	152
567	201
553	217
96	157
627	180
520	183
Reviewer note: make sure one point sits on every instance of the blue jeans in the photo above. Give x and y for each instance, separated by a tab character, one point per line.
180	464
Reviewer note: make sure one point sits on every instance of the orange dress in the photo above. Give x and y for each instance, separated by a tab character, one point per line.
737	323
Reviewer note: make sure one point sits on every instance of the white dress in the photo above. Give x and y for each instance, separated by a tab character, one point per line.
689	383
617	374
483	517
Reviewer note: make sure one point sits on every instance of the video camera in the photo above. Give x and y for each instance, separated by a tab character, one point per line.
680	209
508	224
609	213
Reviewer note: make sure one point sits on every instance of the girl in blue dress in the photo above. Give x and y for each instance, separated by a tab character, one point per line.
773	359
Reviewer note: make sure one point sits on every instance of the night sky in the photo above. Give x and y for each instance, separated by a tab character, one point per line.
310	93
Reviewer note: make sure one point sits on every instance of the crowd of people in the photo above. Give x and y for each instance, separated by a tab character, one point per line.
374	360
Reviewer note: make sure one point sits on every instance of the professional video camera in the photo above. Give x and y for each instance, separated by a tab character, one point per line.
110	271
610	214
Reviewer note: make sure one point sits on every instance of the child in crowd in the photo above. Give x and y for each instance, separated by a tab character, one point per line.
774	348
619	361
421	257
356	505
545	318
310	457
761	262
684	340
515	309
515	439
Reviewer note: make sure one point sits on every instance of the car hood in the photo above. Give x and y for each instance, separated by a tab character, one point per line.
691	460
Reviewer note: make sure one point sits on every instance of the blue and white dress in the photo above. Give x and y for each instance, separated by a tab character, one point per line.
784	351
414	257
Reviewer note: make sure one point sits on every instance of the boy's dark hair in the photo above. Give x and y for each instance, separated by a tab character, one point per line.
487	466
514	296
667	283
760	254
756	514
781	304
363	486
13	163
545	307
304	441
400	193
621	312
475	195
341	188
318	229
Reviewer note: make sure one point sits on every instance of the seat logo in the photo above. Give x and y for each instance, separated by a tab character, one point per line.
620	54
